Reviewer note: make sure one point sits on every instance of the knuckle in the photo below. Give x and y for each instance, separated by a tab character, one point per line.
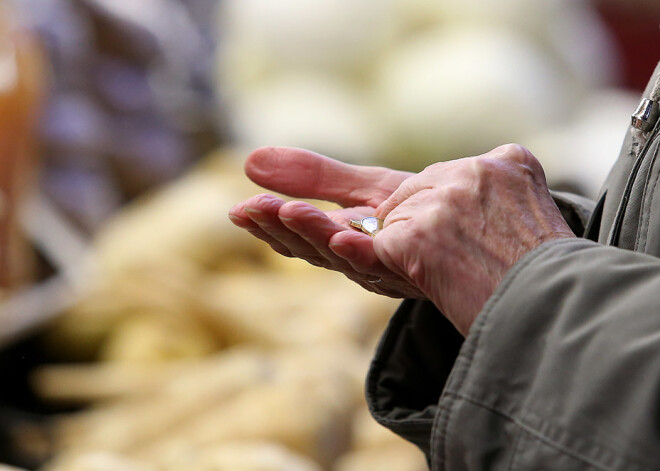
434	167
456	195
417	272
288	208
513	151
518	154
265	200
508	158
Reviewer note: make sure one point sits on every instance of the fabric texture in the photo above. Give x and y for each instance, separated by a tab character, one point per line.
561	369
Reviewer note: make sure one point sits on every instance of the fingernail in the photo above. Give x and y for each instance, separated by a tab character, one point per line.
343	250
254	214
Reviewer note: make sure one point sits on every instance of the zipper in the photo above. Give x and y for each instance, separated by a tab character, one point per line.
644	120
618	219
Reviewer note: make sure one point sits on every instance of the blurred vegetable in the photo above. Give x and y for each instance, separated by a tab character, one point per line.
454	92
416	82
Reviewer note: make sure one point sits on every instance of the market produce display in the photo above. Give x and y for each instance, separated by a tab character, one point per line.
193	347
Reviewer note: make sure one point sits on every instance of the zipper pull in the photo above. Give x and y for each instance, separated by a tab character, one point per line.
646	115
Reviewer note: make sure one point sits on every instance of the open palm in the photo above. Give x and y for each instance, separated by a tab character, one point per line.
322	238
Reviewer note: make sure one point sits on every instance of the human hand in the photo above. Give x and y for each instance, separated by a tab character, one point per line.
457	227
325	239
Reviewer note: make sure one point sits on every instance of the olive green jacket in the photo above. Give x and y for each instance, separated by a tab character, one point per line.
561	369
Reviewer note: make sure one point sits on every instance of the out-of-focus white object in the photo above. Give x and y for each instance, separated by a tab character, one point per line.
569	30
378	81
454	92
307	111
308	33
582	150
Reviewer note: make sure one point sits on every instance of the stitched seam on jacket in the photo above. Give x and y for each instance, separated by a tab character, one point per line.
516	444
645	215
466	355
552	443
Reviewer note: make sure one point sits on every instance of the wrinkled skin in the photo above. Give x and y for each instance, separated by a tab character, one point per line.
451	232
325	239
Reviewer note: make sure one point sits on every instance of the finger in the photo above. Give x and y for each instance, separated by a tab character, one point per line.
315	227
263	210
354	245
358	250
401	194
239	217
433	176
304	174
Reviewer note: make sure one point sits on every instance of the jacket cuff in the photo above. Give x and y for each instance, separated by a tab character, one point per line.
410	368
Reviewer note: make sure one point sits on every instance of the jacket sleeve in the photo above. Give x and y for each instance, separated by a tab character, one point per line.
561	370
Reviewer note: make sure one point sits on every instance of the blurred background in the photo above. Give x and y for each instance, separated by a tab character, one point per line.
139	330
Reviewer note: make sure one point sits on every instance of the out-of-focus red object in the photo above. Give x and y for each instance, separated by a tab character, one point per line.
635	26
21	84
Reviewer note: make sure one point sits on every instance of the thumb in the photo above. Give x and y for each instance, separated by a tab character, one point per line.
304	174
402	193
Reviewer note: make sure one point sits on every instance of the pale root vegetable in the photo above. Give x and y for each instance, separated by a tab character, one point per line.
367	433
164	287
126	425
186	219
238	393
91	382
343	361
400	457
96	461
155	337
326	308
241	456
310	415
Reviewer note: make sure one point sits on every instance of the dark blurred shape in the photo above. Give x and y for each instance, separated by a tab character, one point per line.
635	27
131	104
24	435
